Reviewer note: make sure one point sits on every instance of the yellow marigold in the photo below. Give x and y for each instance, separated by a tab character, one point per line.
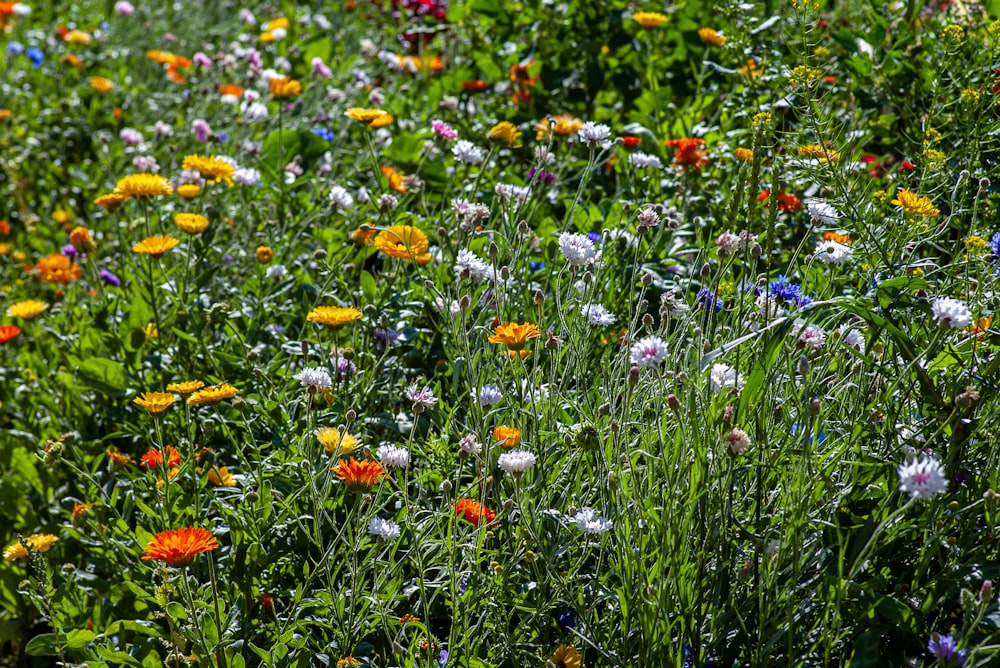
101	85
282	88
212	395
919	206
751	69
711	36
506	134
365	116
221	477
71	60
817	151
274	24
39	542
144	186
649	20
81	240
188	190
77	37
5	114
111	200
363	235
156	403
211	168
403	241
333	316
337	443
381	121
63	216
563	125
566	656
507	437
192	223
743	154
264	254
80	510
513	335
27	310
155	245
186	387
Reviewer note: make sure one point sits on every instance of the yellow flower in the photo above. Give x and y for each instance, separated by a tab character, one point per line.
101	85
282	88
403	241
62	216
919	206
188	190
711	36
337	443
649	20
192	223
976	245
264	254
563	125
156	245
513	335
506	134
77	37
751	69
111	200
802	74
39	542
817	151
954	33
221	477
365	116
381	121
333	316
186	387
81	240
211	168
144	186
970	96
743	154
27	310
156	403
565	656
212	395
274	24
934	156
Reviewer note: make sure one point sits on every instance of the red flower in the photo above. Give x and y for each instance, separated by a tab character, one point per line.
786	201
154	458
474	512
9	332
906	164
179	547
689	154
631	142
475	86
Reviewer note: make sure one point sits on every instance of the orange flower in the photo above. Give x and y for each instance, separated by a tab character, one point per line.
231	90
710	36
513	335
689	154
475	86
359	477
111	200
155	245
117	458
282	88
81	239
474	512
838	237
57	268
101	84
9	332
179	547
396	180
507	437
154	458
212	395
402	241
81	509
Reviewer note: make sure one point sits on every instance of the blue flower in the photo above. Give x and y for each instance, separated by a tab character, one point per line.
35	55
323	133
994	242
945	649
536	266
15	49
708	299
783	289
564	620
594	237
109	278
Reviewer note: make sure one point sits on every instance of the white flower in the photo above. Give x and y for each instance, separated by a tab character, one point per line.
922	478
422	397
809	336
578	250
489	395
854	339
506	192
593	134
453	308
466	152
315	379
588	521
644	160
951	313
383	530
393	457
162	129
822	213
247	176
470	445
254	112
649	352
340	198
516	461
597	315
832	252
275	272
722	376
131	136
476	267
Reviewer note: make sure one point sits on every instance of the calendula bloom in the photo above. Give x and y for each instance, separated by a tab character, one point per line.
186	387
333	316
505	133
751	69
563	125
156	245
81	240
80	510
382	121
27	310
402	241
179	547
336	442
507	437
212	168
39	542
396	180
192	223
156	403
349	662
188	190
359	477
264	254
221	477
365	116
649	20
282	88
117	458
101	85
9	332
689	154
144	186
743	154
212	395
565	656
111	200
817	151
474	512
154	459
57	268
514	336
710	36
918	206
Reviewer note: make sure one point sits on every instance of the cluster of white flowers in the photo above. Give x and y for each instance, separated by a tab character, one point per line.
822	213
597	315
642	160
467	153
723	376
489	395
593	134
340	198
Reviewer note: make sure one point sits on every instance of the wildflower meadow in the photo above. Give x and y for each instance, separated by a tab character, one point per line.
469	333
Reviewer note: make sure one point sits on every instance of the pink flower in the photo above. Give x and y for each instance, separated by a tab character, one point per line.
320	69
201	130
202	60
124	8
443	130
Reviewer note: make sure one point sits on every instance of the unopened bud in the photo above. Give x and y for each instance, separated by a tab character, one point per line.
647	321
815	407
351	415
604	409
706	270
588	278
803	365
464	302
445	486
539	297
523	229
673	402
756	250
633	376
493	250
647	279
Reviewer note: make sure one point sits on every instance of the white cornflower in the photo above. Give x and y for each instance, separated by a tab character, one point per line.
832	252
642	160
489	395
275	272
809	336
393	457
340	198
588	521
578	249
466	152
315	379
723	376
822	213
453	308
649	352
162	129
246	176
951	313
254	112
470	445
383	530
467	261
516	461
854	339
597	315
922	478
422	397
506	192
593	134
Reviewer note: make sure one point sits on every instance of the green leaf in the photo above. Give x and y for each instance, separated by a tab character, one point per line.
176	610
118	657
866	650
368	288
79	638
43	645
104	375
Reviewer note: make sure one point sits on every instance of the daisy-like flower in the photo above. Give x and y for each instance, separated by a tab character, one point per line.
340	198
212	395
578	249
516	462
359	477
588	521
156	245
111	200
27	310
443	130
563	125
211	168
822	213
383	530
39	542
489	395
507	437
917	206
117	458
648	20
365	116
403	241
833	253
854	339
689	152
154	459
333	316
156	403
185	388
221	477
422	397
315	379
144	186
593	134
474	512
513	335
179	547
469	445
505	133
57	268
467	153
566	656
648	352
393	457
597	315
950	313
470	264
711	36
723	376
922	478
336	442
809	336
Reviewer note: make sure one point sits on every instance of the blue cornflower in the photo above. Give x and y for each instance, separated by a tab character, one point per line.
783	289
995	244
222	136
802	300
565	620
945	649
35	55
323	133
109	278
536	266
15	49
594	237
708	300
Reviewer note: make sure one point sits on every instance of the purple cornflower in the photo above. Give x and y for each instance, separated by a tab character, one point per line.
564	620
945	649
69	251
542	177
109	278
201	129
708	300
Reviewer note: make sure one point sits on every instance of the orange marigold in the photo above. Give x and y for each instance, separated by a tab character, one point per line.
474	512
154	458
359	477
282	88
689	154
9	332
507	437
513	335
57	268
179	547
